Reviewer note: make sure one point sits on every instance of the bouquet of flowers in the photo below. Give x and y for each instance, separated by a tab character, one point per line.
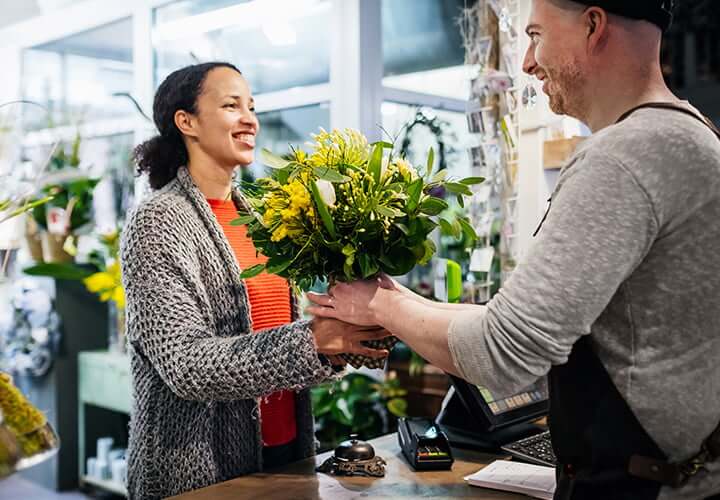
346	210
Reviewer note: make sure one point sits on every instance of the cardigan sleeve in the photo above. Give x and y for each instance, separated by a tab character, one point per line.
167	325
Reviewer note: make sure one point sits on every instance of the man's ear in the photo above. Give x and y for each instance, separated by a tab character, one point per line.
596	25
185	122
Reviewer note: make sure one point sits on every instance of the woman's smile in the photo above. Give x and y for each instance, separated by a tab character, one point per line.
248	139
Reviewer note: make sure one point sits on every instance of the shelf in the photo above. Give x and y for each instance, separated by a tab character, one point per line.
107	485
557	152
105	380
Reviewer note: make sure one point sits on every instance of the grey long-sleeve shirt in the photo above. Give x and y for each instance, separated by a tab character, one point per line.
629	254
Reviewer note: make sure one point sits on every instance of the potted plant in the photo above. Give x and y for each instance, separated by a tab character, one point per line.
101	275
357	404
70	207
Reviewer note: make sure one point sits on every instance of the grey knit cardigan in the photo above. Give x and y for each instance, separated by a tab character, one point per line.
197	371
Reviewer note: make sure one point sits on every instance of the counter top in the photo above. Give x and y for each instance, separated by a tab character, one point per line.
299	481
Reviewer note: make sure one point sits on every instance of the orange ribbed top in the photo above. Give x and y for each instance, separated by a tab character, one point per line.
270	306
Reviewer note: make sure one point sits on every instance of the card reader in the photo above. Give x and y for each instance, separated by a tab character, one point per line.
424	445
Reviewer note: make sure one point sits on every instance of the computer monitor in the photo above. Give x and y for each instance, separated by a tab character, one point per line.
494	412
473	411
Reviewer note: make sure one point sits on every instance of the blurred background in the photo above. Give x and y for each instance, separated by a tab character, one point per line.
409	71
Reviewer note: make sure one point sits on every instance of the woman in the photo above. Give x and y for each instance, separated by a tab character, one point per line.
212	400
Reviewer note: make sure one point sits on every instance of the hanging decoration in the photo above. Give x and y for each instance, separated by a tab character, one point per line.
439	130
491	46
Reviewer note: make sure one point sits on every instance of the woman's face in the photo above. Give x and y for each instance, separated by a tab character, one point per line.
225	125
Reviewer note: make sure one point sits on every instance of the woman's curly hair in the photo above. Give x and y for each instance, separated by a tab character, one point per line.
161	156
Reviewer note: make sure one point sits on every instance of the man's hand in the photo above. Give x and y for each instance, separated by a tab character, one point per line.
349	302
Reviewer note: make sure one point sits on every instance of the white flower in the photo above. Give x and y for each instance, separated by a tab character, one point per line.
327	192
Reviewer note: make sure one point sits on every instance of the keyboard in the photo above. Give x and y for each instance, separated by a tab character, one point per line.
535	449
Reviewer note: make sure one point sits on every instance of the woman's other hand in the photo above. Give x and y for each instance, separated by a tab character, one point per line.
333	337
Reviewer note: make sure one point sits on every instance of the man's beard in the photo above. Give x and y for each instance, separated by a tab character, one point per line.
565	90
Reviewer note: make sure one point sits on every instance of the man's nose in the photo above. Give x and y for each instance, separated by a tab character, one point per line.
529	63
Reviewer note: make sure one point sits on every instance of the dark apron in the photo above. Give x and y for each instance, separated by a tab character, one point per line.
594	433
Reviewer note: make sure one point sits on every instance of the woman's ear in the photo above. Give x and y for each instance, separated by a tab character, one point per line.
185	122
596	25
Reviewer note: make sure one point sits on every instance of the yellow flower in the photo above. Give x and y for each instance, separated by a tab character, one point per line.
406	169
280	233
118	297
107	284
99	282
300	155
336	147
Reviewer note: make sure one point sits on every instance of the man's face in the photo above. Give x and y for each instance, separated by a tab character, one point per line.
556	54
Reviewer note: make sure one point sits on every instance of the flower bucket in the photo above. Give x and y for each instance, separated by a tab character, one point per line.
33	238
52	247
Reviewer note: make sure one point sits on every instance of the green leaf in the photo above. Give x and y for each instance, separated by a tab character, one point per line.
399	261
384	144
429	249
253	271
272	160
398	407
468	230
282	175
414	191
458	188
276	265
402	227
323	211
433	206
461	201
368	265
243	220
450	228
348	250
471	181
375	164
430	160
439	176
330	174
60	271
389	212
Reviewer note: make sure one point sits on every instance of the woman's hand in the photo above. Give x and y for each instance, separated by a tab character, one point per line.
350	302
334	337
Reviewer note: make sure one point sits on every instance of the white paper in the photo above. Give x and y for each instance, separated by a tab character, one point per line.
481	260
532	480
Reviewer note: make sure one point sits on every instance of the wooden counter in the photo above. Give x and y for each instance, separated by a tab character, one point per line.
299	481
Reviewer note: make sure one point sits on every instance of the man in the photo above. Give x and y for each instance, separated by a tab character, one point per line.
619	298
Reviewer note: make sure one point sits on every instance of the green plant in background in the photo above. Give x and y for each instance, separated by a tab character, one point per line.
357	404
74	196
101	274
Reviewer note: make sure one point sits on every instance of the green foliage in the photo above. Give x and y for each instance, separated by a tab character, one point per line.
75	195
357	404
345	211
60	271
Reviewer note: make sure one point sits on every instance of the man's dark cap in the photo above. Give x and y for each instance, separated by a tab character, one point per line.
658	12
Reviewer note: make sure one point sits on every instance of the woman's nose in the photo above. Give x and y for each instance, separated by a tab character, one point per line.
250	119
